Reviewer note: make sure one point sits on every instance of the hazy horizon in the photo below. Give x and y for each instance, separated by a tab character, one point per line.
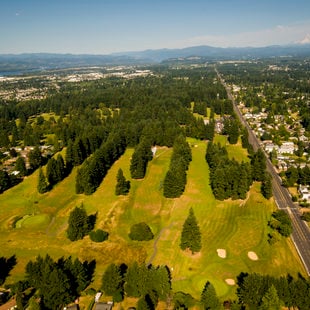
115	26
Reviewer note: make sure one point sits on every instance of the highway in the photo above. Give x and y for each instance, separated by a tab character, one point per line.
301	232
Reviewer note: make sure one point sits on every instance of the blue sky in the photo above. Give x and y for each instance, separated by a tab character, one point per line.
107	26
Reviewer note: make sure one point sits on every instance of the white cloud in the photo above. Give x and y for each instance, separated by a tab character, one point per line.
279	35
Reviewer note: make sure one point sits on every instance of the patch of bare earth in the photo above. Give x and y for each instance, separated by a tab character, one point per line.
221	253
252	255
189	253
230	281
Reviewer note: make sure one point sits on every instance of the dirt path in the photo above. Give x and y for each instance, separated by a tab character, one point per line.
8	305
155	243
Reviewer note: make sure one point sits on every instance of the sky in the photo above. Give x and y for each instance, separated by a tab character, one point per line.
109	26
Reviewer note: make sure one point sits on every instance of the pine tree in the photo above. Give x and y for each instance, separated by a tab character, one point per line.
271	300
132	280
191	236
112	281
209	298
139	160
233	133
266	187
122	185
35	158
258	162
142	304
245	138
78	152
60	168
20	166
33	304
69	157
51	172
42	184
78	224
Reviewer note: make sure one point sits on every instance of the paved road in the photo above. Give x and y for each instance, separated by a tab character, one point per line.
301	232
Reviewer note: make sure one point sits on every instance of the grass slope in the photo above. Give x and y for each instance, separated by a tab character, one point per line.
237	226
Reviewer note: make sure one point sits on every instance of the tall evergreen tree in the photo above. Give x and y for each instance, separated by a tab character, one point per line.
122	186
51	172
35	158
266	187
42	184
112	281
69	157
175	179
60	168
271	300
209	298
139	160
245	138
78	152
5	181
191	236
78	224
258	162
20	166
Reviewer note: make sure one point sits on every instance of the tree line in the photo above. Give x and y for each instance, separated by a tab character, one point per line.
94	169
176	178
231	179
55	283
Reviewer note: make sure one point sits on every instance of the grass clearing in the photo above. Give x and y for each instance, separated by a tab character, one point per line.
234	225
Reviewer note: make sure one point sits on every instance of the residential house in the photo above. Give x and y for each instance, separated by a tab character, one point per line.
304	192
287	148
269	147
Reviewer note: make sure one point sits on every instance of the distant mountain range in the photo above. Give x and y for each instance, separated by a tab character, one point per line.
219	53
25	63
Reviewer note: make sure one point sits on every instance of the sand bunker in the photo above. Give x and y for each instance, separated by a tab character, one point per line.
230	281
252	255
221	253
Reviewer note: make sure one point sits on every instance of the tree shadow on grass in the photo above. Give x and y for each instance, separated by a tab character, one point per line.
6	265
92	221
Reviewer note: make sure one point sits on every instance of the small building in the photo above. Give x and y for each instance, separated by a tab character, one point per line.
104	305
287	148
97	297
269	147
304	192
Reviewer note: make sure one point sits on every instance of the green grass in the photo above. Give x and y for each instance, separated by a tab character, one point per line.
237	226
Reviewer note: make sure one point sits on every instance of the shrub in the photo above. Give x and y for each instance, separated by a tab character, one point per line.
140	232
98	235
306	216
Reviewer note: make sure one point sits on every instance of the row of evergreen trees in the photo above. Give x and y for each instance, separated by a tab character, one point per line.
228	178
266	292
231	129
295	175
94	169
56	171
140	158
148	283
60	282
231	179
175	179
